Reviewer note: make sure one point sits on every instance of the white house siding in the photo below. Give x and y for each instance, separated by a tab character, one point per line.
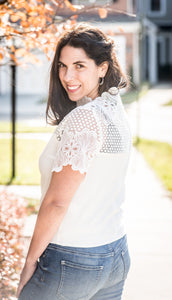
5	80
34	79
120	46
31	79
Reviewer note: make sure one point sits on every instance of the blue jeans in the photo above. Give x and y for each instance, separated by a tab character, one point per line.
69	273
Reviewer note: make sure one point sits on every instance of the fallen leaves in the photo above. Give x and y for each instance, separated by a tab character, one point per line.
12	212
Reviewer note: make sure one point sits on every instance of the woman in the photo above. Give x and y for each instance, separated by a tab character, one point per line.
79	248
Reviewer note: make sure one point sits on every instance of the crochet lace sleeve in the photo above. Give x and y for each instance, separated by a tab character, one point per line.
79	140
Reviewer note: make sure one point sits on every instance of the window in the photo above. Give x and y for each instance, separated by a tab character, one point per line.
155	5
156	8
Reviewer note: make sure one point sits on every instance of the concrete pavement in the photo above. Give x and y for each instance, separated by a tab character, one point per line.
149	117
149	227
148	206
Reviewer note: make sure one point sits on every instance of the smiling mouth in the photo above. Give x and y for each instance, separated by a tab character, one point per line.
73	88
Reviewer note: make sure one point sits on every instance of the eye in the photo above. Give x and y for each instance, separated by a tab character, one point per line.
79	66
61	65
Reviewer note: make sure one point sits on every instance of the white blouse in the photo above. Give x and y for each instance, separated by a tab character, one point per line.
94	138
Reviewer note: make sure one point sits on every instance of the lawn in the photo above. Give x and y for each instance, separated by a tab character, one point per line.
159	157
134	94
24	127
168	103
27	156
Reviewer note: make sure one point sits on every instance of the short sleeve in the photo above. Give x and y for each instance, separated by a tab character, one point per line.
79	140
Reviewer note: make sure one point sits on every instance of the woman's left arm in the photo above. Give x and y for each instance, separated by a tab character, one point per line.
62	188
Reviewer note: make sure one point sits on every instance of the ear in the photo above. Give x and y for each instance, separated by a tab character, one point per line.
103	68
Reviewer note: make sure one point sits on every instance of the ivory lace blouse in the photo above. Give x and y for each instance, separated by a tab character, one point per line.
95	139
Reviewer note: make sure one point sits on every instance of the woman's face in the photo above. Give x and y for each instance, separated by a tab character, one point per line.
79	74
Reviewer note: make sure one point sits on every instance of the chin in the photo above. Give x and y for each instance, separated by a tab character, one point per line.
75	99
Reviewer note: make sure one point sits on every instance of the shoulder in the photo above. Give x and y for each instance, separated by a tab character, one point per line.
90	115
82	123
81	117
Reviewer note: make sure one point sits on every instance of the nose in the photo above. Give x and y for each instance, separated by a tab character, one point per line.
69	74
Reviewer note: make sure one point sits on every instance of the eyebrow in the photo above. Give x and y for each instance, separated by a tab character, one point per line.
75	63
79	62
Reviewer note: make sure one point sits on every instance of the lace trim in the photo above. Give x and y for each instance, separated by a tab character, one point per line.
77	150
110	95
98	126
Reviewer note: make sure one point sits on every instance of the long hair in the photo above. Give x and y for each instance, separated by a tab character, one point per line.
98	47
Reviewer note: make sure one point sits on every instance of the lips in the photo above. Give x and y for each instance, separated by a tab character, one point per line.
72	88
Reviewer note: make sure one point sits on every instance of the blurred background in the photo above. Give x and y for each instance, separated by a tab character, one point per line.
142	32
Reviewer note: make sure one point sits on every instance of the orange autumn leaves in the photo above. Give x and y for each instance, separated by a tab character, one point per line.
70	6
102	12
26	25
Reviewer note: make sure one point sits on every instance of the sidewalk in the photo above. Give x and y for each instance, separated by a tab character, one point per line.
149	225
150	118
148	206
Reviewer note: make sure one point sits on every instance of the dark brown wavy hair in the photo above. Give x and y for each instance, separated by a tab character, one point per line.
98	47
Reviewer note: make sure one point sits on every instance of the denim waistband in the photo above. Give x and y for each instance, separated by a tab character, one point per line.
103	250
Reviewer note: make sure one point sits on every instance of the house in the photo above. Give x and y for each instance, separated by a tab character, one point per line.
156	19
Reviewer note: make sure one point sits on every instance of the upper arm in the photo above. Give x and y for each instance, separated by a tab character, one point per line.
63	186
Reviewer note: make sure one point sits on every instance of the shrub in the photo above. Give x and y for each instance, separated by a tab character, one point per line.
12	212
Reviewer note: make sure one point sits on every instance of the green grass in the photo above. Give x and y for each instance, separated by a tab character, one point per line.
134	95
159	157
129	97
27	156
24	127
168	103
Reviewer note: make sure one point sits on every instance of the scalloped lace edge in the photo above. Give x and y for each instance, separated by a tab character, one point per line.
58	169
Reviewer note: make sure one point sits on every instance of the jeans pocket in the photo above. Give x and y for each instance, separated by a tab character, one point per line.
38	276
126	262
43	260
77	280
